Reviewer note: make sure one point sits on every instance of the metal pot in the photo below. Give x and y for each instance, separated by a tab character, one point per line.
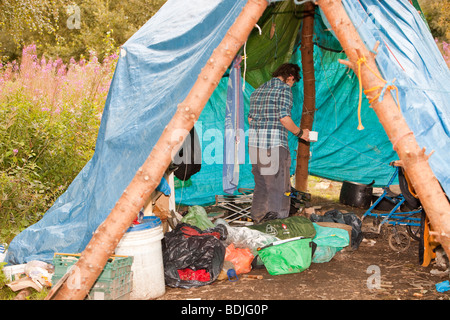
384	205
356	194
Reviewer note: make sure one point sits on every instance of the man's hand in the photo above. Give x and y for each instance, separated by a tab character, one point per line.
292	127
305	135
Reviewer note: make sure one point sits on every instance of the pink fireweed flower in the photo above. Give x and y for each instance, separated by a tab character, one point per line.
62	71
15	151
446	48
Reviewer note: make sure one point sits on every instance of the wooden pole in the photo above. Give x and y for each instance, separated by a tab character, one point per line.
309	102
108	234
412	158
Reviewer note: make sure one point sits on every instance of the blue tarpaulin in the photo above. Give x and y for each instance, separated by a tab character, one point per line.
234	142
159	64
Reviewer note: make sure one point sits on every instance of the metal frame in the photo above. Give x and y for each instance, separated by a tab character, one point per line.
393	217
234	204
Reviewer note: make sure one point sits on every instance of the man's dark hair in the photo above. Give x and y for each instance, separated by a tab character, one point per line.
286	70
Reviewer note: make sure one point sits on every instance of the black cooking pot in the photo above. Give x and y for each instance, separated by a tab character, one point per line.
384	205
357	195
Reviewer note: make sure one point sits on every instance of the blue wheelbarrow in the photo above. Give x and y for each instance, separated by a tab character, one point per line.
405	210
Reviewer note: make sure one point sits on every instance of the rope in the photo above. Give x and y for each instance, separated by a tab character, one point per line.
388	85
394	145
359	62
245	57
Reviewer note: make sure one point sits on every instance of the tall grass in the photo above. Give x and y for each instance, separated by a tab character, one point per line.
49	118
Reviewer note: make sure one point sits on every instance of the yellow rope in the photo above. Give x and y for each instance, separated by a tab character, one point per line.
386	86
359	62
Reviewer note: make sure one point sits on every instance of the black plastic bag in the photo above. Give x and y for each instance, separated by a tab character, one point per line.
200	252
349	219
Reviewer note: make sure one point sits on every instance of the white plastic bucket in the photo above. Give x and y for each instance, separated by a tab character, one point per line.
144	244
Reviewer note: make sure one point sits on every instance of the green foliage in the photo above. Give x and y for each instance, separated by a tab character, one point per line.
3	279
39	158
51	106
437	14
49	119
69	29
5	292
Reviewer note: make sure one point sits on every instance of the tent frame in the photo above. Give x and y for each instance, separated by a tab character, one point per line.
108	234
413	159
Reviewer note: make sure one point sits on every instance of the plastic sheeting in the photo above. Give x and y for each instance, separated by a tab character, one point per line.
159	64
234	140
328	241
409	54
156	70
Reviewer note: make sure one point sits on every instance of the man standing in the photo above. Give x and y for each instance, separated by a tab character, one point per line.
270	120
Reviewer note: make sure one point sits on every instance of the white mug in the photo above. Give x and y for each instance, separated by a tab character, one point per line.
313	136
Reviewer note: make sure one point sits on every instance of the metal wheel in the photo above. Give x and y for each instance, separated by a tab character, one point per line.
414	232
411	201
399	241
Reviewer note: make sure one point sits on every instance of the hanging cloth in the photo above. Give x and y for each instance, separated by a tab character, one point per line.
234	143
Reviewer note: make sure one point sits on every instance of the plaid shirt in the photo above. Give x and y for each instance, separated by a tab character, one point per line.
268	104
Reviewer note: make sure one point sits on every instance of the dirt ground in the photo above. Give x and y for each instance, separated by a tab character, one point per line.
372	272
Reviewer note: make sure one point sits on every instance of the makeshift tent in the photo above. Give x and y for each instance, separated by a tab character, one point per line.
159	64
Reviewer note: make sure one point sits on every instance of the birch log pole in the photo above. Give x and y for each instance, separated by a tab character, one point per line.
309	101
108	234
412	158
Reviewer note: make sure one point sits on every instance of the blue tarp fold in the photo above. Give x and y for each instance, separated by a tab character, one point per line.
234	142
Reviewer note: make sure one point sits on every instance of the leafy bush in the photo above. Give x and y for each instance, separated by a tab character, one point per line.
67	28
49	119
437	14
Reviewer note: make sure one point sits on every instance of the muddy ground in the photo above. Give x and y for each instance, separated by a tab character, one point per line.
350	275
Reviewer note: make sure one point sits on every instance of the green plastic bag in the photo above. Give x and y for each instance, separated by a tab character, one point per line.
197	217
329	241
324	254
333	237
291	256
295	226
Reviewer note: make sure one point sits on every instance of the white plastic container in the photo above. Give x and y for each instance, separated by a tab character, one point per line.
14	272
143	242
